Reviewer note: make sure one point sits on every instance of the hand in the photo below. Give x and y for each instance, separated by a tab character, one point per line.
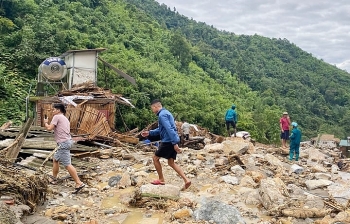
177	149
282	131
46	120
145	133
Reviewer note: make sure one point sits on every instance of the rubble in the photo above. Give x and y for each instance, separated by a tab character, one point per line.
250	183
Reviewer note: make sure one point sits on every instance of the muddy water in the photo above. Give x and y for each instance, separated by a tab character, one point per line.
134	215
138	217
127	214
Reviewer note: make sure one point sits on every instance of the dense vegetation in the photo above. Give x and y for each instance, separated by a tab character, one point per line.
197	70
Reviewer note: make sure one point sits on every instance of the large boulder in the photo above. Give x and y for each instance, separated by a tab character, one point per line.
273	192
233	147
218	212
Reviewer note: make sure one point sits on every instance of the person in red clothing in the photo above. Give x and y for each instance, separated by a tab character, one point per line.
284	126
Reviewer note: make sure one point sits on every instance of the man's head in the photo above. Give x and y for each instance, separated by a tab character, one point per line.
156	105
285	114
294	124
233	107
58	108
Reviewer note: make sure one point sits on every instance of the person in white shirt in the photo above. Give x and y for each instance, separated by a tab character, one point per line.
185	127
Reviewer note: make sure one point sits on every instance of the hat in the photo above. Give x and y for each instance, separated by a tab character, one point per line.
285	113
294	124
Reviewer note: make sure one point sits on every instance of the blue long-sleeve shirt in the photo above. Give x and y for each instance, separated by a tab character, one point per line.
166	127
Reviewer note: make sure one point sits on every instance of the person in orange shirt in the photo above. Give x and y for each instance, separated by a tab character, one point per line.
284	126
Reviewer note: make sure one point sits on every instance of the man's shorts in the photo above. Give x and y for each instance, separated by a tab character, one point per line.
166	150
285	135
228	124
62	155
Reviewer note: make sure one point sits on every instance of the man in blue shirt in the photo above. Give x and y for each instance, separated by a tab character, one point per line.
295	139
231	119
169	147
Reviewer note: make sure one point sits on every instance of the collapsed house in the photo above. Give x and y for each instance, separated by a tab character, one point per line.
91	109
70	79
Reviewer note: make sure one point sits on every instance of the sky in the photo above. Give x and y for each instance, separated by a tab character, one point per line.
320	27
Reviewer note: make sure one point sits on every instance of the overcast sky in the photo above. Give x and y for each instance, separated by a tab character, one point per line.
320	27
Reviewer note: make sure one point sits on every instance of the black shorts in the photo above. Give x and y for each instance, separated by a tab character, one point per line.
285	135
228	124
166	150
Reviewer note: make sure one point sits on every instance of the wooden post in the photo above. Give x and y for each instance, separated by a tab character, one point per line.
13	150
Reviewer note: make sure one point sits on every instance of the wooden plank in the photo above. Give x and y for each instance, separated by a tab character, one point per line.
13	151
125	138
6	125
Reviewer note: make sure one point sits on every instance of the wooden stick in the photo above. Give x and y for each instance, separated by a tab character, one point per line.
48	157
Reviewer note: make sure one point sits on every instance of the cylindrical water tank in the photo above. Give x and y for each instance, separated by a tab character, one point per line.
53	68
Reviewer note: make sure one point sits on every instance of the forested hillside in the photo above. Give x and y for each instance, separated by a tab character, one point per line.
197	71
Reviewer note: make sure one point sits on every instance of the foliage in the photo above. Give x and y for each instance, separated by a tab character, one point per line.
196	70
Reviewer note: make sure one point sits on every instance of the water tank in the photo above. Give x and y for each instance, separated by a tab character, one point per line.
53	68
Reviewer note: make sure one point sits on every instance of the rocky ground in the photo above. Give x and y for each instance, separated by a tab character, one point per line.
232	182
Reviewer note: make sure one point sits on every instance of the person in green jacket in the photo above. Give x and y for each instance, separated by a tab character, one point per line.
231	119
295	139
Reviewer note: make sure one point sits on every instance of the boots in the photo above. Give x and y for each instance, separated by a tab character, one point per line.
296	156
291	154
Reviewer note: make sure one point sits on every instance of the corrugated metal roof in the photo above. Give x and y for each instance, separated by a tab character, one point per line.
344	143
84	50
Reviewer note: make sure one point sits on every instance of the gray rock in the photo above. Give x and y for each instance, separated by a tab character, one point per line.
324	176
238	170
113	181
313	184
296	169
338	190
218	212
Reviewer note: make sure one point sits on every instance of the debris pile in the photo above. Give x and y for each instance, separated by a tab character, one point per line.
249	183
24	188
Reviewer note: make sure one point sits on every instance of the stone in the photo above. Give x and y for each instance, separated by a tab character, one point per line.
234	147
273	160
182	213
317	168
296	169
214	148
221	161
191	169
338	191
125	181
256	175
229	179
113	181
249	196
160	191
238	170
334	169
272	192
217	212
247	181
324	176
313	184
200	157
315	154
62	217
